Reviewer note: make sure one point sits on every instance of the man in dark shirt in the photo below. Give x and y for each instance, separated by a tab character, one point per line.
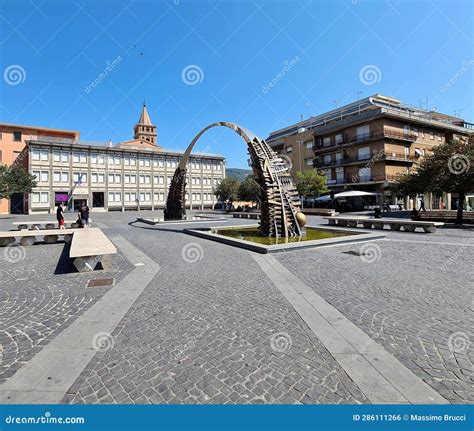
84	213
60	215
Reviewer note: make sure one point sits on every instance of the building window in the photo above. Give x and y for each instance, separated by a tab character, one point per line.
57	156
309	161
362	132
158	180
35	154
326	141
44	155
41	176
17	136
338	138
40	197
364	174
431	135
289	150
308	145
364	153
327	159
115	197
75	157
440	137
406	130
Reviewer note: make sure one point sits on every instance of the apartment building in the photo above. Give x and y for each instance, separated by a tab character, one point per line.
13	140
366	145
130	175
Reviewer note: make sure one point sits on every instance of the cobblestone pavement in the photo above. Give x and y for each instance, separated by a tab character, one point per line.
40	295
202	333
416	299
211	328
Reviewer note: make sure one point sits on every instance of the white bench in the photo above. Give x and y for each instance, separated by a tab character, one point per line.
36	225
29	237
88	246
379	223
246	215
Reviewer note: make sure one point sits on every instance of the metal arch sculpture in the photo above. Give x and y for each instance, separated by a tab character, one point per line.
280	201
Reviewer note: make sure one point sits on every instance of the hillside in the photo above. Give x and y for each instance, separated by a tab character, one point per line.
237	173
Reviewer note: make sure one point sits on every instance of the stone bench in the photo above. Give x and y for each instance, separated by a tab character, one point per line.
88	246
246	215
37	225
29	237
379	223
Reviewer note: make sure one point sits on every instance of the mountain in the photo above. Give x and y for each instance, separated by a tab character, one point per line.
238	174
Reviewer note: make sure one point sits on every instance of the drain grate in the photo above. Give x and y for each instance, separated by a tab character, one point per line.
100	282
353	253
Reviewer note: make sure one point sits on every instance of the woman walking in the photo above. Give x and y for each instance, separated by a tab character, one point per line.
60	215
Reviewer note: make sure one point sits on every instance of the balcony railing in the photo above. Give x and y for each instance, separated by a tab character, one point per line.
410	137
354	179
377	157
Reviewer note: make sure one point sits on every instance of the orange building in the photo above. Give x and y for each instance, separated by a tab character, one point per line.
13	138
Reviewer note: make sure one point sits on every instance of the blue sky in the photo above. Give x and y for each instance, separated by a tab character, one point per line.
51	52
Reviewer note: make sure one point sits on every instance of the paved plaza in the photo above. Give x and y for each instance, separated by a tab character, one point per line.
212	324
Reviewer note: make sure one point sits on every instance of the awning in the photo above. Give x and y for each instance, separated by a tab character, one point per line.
353	193
324	198
419	152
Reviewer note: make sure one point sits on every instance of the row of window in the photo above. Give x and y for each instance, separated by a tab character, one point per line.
116	197
81	178
116	160
364	132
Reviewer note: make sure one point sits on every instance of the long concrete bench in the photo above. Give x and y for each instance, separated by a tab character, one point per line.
29	237
379	223
246	215
36	225
88	246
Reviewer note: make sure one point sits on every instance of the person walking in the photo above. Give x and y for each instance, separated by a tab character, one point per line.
85	214
60	215
422	205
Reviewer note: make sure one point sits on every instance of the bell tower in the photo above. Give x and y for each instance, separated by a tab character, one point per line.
144	130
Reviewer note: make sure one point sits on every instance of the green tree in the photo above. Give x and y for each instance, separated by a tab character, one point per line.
15	179
249	190
227	190
311	183
449	169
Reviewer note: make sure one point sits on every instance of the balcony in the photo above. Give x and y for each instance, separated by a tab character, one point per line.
380	156
372	136
348	179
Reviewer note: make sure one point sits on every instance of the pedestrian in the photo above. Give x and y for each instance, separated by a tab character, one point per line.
422	205
84	214
60	215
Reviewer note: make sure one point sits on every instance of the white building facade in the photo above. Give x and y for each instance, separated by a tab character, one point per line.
128	176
